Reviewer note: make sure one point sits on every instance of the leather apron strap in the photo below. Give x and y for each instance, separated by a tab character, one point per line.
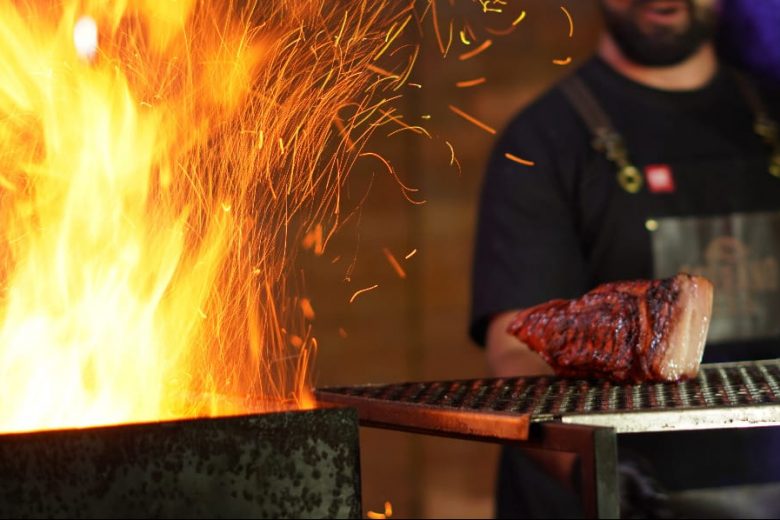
608	141
763	124
605	138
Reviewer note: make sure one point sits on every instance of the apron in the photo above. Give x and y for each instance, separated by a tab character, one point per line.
721	223
739	254
719	218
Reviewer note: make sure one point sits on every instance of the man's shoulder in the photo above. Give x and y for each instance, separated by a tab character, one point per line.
551	111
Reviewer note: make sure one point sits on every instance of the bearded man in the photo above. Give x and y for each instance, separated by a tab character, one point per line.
650	159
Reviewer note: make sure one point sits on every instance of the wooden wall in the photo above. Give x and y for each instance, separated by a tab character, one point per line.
415	328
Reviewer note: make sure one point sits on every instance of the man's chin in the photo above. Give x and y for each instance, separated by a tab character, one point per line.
660	33
659	52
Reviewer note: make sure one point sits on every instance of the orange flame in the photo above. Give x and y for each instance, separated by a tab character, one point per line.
148	230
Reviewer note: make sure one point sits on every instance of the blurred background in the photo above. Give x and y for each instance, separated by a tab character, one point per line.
415	328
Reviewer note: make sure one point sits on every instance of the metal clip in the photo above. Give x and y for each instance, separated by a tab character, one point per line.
630	179
774	164
765	127
628	176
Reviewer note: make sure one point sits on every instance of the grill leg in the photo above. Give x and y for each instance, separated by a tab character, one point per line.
596	450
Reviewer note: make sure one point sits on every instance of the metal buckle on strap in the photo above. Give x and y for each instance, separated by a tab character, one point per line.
766	128
611	144
774	164
764	125
630	179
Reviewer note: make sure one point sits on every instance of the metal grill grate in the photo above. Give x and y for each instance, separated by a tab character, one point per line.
729	394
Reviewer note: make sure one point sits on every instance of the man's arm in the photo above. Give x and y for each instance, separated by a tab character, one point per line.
528	243
508	356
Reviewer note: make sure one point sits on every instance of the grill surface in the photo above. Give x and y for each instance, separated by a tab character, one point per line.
723	395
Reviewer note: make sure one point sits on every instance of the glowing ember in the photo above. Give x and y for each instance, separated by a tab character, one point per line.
482	48
571	22
361	291
470	83
564	61
473	120
388	513
153	194
394	263
519	160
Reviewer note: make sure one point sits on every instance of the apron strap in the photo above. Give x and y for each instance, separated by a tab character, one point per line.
763	124
605	138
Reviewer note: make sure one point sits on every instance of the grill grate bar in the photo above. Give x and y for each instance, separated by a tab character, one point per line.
730	388
770	381
717	385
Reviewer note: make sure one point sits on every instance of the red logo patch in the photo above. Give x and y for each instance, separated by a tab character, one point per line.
659	178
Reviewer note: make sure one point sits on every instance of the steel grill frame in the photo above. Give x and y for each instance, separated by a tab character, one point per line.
574	416
722	395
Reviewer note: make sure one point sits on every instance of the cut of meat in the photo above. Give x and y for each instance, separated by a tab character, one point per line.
643	330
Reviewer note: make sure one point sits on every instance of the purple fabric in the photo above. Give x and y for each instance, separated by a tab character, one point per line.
750	36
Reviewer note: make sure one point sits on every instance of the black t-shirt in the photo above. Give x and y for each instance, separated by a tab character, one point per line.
564	225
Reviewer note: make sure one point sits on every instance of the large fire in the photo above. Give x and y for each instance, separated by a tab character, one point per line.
159	163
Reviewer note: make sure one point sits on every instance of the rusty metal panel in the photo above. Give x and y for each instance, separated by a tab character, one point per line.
302	464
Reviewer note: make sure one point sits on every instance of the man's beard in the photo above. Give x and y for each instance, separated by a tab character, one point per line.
665	46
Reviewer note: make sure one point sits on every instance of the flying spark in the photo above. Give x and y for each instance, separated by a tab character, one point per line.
571	21
519	160
361	291
474	52
473	120
471	82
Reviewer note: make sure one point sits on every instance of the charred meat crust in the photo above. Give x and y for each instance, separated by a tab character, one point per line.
618	331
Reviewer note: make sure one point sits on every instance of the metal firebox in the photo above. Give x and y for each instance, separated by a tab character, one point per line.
576	416
302	464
